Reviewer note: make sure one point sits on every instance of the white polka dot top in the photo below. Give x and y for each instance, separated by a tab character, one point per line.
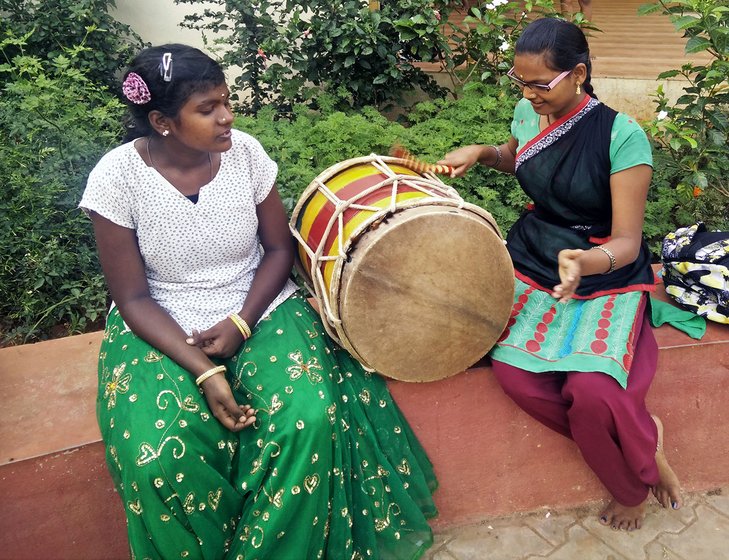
199	258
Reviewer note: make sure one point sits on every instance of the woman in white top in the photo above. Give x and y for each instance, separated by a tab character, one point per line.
234	427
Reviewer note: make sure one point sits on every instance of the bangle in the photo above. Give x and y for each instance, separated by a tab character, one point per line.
610	255
208	374
499	155
243	327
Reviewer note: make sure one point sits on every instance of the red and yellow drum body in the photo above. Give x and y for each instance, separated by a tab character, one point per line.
410	279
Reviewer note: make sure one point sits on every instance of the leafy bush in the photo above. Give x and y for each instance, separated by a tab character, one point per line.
54	25
56	124
483	48
290	52
690	136
314	140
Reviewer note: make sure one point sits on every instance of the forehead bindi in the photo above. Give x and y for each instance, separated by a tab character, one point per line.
532	68
213	95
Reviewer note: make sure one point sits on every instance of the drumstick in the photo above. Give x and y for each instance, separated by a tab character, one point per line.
418	165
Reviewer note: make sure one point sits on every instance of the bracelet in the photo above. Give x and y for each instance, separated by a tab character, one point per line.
208	374
499	155
243	327
610	255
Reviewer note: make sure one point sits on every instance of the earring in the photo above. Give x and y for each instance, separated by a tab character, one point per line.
578	91
165	132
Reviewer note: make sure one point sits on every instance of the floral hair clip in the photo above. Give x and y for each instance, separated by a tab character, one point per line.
135	89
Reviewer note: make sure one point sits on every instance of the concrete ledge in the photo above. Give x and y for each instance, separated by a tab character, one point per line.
490	457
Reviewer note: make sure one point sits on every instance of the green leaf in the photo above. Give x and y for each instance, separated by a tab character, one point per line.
683	22
717	138
645	9
699	180
691	142
668	74
697	44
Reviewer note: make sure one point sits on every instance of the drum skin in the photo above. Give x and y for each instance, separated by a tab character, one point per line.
423	285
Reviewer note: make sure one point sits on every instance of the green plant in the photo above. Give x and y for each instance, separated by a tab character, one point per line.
690	135
291	52
242	28
51	26
56	123
483	47
314	140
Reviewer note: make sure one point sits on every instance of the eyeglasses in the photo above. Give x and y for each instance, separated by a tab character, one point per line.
536	87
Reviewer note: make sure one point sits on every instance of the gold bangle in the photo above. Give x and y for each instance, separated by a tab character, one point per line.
243	327
208	374
610	255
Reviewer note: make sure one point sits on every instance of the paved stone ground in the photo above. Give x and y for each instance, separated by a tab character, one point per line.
698	531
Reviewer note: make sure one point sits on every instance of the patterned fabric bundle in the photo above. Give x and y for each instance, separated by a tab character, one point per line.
330	469
696	270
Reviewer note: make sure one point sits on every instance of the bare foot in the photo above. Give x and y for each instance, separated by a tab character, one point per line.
668	489
623	517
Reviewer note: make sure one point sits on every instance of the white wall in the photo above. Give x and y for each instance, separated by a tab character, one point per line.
157	21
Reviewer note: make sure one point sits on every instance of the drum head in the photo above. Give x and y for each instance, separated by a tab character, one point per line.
427	293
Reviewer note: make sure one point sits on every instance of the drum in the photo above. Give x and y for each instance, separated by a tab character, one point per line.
414	282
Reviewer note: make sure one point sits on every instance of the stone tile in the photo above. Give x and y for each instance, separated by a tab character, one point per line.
498	540
438	550
687	513
698	531
718	500
657	551
706	539
583	545
441	554
551	526
631	544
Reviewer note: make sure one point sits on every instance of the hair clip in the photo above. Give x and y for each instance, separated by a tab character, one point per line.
135	89
165	67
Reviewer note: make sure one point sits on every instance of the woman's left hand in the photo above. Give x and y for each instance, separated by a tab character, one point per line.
222	340
570	274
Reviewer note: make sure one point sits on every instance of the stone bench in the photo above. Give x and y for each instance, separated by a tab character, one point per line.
490	457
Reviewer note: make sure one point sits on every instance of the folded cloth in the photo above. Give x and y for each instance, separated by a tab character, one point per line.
685	321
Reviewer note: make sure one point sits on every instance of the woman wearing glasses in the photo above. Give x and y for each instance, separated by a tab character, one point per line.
578	353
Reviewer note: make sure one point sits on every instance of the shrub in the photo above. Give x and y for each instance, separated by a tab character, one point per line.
482	49
690	136
51	26
290	52
56	124
314	140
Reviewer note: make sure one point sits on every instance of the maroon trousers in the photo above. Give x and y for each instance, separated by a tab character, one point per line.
611	425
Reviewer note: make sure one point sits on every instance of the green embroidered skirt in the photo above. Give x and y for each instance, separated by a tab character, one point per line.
330	470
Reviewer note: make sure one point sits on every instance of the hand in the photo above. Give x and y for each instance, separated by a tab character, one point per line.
222	340
462	159
570	274
222	404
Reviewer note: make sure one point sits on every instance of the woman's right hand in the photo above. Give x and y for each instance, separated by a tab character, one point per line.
570	274
462	159
222	404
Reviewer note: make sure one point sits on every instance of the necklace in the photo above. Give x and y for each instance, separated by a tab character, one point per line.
151	161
